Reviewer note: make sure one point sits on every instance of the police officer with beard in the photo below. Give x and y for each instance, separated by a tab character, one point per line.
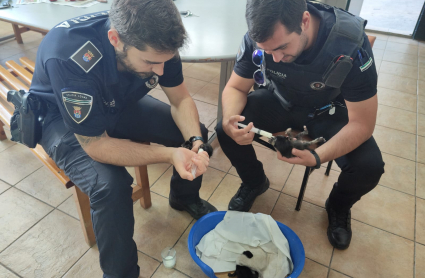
315	67
94	73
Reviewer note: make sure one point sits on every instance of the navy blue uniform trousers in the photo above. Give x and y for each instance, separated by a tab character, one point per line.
361	169
109	187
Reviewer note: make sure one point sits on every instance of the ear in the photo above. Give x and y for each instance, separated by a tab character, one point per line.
305	22
114	38
248	254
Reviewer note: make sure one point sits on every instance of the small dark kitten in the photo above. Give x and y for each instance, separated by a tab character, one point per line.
243	271
285	144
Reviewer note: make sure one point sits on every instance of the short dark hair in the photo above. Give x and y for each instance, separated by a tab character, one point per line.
262	16
154	23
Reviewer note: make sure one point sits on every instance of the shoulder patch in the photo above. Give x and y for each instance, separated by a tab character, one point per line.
241	50
78	105
87	56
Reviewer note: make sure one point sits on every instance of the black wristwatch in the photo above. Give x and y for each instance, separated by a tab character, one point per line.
196	138
189	143
318	163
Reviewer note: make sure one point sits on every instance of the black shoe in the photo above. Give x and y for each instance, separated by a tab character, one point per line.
339	229
196	210
245	197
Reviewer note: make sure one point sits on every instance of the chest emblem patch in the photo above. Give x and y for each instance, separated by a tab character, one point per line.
153	82
78	105
87	56
317	85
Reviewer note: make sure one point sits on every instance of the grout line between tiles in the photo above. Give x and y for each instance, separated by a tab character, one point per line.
211	125
159	177
181	272
35	198
6	190
330	262
28	175
317	262
280	192
397	108
76	262
354	219
398	156
1	251
11	270
226	172
57	208
341	273
416	168
8	147
397	190
218	186
6	182
205	102
156	269
149	256
174	245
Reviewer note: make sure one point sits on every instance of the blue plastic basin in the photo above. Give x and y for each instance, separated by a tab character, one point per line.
210	221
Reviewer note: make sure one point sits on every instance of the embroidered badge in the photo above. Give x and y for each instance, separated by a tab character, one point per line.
153	82
366	65
87	56
317	85
78	105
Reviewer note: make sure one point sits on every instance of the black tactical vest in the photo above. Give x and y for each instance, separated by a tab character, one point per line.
311	85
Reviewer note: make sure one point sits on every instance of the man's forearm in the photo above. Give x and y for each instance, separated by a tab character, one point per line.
233	102
123	152
346	140
185	115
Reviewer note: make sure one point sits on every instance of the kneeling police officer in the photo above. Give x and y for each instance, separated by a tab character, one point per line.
315	68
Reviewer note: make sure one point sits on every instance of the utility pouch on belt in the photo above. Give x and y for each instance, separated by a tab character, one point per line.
25	124
337	71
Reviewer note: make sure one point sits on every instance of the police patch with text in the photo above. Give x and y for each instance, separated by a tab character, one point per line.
78	105
87	56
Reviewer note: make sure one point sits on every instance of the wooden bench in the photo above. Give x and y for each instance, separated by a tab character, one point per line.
18	77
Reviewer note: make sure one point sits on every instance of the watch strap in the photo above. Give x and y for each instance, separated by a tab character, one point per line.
316	156
195	138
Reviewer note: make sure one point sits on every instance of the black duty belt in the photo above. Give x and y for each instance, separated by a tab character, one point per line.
329	107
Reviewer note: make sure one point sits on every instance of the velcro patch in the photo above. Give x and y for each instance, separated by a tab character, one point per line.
87	56
78	105
241	50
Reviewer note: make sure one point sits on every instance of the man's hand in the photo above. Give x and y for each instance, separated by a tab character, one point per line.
195	145
304	157
241	136
183	159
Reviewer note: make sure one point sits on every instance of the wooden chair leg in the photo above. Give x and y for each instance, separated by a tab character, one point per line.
308	171
17	32
83	206
142	180
2	133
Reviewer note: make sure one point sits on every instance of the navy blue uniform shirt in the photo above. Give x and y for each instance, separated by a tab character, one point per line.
76	69
358	85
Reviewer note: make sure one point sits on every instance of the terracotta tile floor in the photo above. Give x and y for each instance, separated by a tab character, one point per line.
40	235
